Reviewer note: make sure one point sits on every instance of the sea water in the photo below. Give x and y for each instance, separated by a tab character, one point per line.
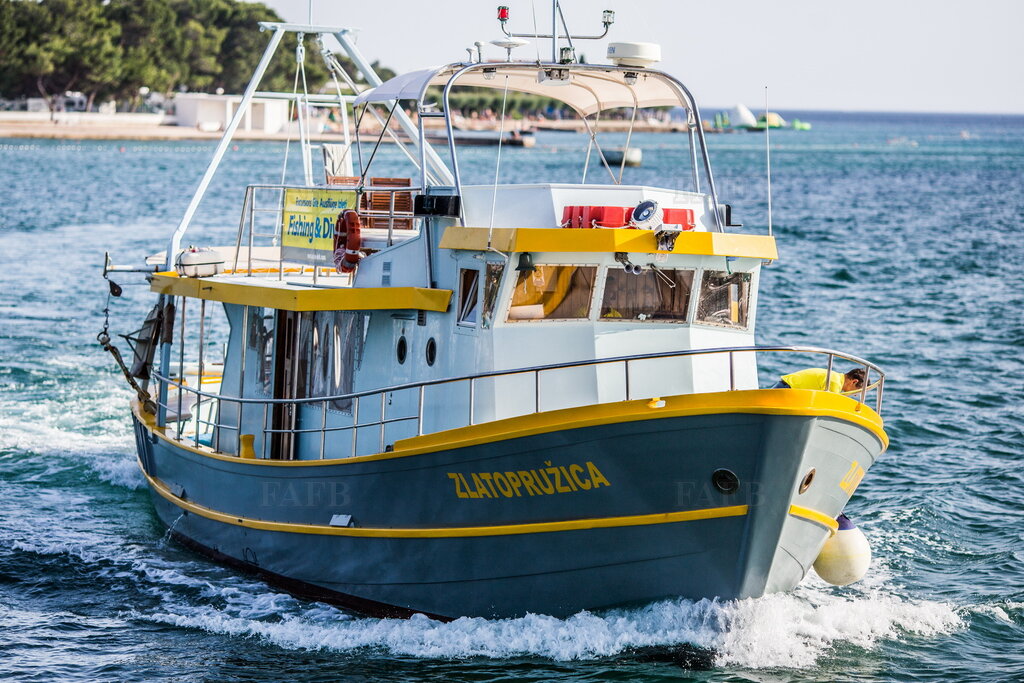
901	241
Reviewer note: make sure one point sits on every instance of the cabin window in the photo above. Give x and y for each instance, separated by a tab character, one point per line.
553	293
659	295
347	330
492	283
320	361
724	299
469	280
261	346
333	343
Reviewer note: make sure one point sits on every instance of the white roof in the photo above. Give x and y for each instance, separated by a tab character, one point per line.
589	90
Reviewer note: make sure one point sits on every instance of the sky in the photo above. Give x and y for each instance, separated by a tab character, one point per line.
860	55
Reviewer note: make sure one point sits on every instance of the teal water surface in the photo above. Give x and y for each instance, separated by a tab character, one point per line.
901	241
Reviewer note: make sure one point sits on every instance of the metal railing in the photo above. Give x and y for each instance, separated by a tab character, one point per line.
213	428
261	224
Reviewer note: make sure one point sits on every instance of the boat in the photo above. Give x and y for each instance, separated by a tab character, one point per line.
416	394
486	138
630	156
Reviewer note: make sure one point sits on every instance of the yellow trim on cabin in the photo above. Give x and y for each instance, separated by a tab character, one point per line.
797	402
815	516
449	532
606	240
281	296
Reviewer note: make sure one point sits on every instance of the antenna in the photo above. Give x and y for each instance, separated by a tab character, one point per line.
768	158
607	19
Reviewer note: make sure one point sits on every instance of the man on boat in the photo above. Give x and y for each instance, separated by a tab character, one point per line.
814	379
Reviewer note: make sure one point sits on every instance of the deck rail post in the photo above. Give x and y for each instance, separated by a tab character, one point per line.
323	428
419	411
383	424
355	426
625	365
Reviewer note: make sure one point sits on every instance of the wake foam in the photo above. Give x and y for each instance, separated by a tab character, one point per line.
784	630
50	439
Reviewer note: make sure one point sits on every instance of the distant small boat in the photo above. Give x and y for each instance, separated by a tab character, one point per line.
768	120
800	125
484	138
633	156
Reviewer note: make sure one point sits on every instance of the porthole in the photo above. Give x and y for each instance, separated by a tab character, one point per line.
808	478
725	481
402	349
431	351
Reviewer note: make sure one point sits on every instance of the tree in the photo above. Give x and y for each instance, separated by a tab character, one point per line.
68	44
115	47
149	39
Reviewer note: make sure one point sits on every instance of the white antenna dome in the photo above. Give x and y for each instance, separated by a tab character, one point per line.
634	54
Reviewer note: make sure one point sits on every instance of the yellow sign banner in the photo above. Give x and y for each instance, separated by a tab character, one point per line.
307	223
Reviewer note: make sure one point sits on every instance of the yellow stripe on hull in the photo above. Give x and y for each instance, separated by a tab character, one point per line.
449	532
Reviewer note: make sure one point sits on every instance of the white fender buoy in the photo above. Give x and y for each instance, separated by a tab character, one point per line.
845	557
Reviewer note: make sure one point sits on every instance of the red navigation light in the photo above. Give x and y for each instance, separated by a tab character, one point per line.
503	13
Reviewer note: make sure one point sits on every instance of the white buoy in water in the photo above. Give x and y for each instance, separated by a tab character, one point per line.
846	556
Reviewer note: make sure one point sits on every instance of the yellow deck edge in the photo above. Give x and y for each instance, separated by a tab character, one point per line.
796	402
609	240
303	298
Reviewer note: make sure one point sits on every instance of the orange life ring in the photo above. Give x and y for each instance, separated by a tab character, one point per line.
347	241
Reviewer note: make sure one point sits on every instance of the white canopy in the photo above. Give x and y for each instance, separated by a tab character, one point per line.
589	89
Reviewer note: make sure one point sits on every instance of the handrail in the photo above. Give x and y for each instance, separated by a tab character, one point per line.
249	230
268	430
541	368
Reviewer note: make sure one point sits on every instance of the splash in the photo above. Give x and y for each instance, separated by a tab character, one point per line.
50	439
785	630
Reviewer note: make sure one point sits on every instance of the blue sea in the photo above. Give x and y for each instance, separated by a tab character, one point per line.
901	240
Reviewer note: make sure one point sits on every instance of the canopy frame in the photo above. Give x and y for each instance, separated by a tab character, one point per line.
413	86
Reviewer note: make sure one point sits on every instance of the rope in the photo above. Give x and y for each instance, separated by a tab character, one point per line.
103	338
536	31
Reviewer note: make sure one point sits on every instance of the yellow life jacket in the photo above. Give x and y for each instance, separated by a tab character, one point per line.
814	379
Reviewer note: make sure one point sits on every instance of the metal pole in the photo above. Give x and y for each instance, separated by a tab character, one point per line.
241	375
252	228
472	398
625	365
241	230
828	372
693	154
391	218
222	147
419	413
355	425
554	31
181	365
732	372
323	428
383	408
536	391
199	396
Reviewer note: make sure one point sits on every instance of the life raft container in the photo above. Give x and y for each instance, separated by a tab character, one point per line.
347	241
